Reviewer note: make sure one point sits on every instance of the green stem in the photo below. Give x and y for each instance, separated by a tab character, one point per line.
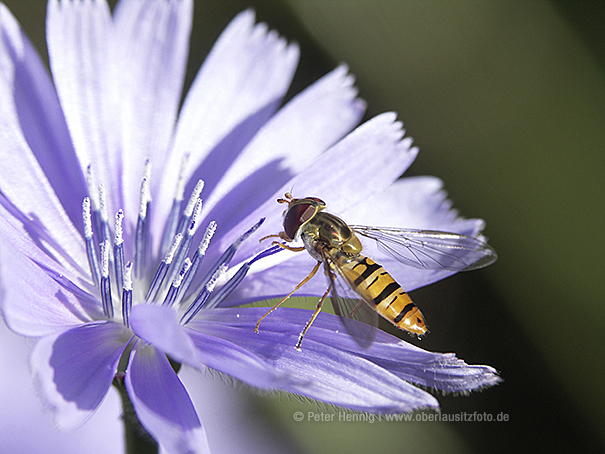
138	440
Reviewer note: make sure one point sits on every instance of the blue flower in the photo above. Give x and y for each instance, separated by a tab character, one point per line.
116	299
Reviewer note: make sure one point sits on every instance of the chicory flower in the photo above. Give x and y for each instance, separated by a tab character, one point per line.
121	299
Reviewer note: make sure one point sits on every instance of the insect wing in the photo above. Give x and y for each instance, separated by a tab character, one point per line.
431	249
356	315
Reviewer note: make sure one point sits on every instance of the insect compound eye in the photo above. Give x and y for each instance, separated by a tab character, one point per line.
297	216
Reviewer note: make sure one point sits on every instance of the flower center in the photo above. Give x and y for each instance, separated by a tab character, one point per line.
172	282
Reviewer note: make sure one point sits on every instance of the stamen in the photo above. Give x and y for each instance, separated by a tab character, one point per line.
230	252
91	252
174	288
127	294
118	250
210	230
238	277
158	279
267	253
246	234
141	231
198	257
173	217
194	224
94	202
105	283
203	296
175	268
195	195
187	240
105	234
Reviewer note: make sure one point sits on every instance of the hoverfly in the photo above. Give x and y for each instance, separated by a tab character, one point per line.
360	288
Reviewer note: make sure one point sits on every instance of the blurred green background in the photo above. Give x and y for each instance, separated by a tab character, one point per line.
506	100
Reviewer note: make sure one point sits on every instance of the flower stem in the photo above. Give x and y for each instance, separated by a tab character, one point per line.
137	439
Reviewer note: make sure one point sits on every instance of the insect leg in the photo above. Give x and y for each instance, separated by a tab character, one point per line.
267	237
312	319
289	248
303	282
281	235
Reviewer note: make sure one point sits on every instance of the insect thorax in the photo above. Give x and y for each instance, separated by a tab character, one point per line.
331	234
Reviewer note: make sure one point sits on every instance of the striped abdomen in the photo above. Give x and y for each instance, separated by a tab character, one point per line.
377	288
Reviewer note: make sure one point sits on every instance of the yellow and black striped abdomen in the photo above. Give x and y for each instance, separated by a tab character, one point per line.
377	288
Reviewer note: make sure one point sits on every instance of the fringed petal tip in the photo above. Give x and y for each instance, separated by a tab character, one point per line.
457	377
441	373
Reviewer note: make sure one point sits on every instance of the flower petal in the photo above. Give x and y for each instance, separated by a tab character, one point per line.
27	90
290	140
36	300
376	155
162	403
23	236
159	326
415	203
248	68
412	202
276	281
325	372
149	56
379	155
26	191
239	86
434	370
74	369
77	35
441	371
26	428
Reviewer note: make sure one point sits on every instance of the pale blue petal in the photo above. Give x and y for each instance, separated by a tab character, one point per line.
239	86
375	153
74	369
26	191
325	372
159	326
78	37
225	341
441	371
413	203
25	427
148	62
38	300
29	96
162	403
30	239
300	131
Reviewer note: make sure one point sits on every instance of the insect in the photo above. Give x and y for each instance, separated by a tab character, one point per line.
361	288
